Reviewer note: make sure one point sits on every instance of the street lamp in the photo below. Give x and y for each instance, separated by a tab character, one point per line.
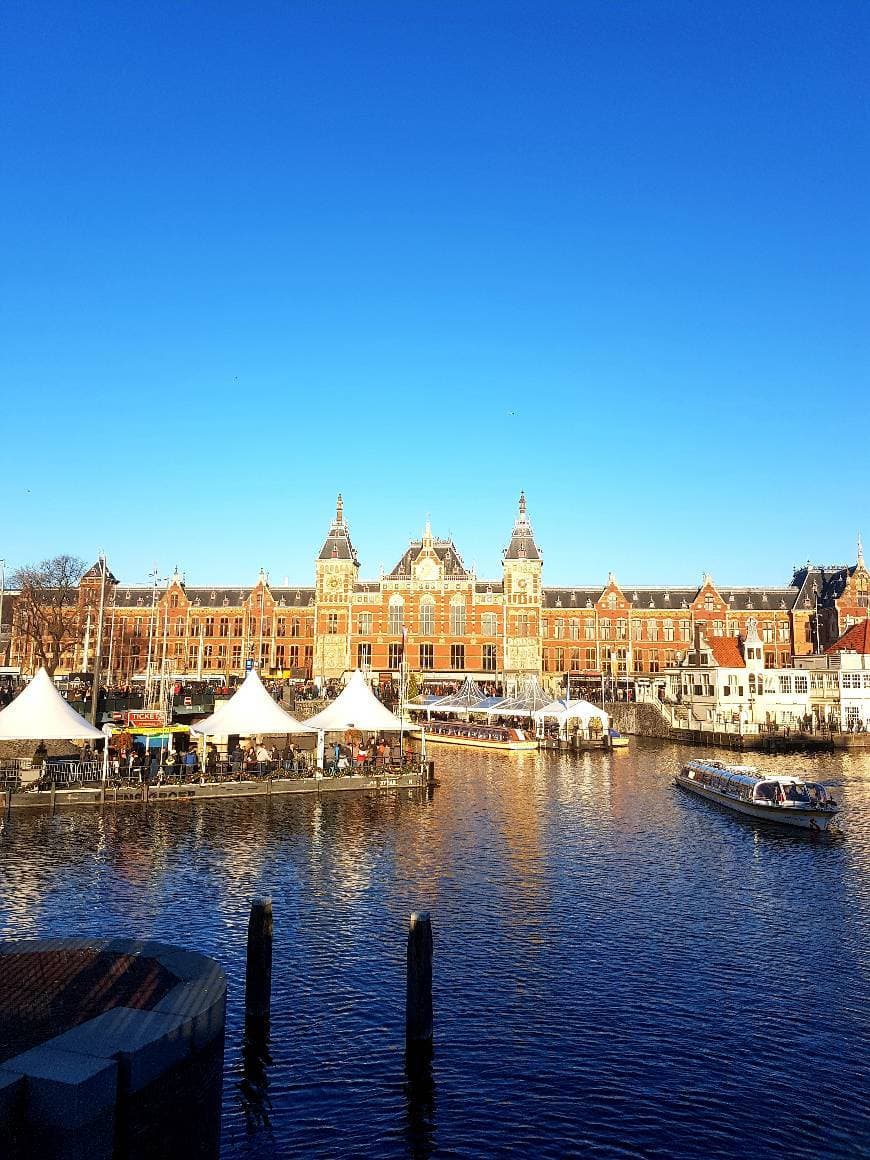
2	594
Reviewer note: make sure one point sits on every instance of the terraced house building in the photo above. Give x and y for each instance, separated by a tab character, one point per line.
446	621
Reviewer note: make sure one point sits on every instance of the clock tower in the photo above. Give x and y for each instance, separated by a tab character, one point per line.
522	566
336	574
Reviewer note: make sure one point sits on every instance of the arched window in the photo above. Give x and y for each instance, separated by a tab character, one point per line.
427	616
396	615
457	616
489	624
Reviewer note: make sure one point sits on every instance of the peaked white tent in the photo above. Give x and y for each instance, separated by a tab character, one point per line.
249	711
566	713
356	707
39	713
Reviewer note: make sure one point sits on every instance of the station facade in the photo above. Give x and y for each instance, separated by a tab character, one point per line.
444	620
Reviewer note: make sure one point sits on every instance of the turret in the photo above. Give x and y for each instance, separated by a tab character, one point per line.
336	573
521	567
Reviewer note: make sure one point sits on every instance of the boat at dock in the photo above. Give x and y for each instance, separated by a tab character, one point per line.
478	736
784	800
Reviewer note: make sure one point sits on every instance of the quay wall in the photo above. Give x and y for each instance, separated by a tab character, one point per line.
638	719
111	1050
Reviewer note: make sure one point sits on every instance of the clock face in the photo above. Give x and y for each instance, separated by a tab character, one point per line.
521	583
333	582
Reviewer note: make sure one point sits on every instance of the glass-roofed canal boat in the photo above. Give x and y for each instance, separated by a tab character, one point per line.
787	801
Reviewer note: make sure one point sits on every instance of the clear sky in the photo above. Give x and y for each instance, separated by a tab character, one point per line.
426	254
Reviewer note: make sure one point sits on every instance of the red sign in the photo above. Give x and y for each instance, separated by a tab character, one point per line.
145	718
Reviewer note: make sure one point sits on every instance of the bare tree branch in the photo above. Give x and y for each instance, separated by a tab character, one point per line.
47	607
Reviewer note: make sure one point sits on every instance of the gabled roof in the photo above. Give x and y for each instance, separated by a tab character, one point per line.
522	545
95	572
822	582
854	639
445	550
337	545
726	653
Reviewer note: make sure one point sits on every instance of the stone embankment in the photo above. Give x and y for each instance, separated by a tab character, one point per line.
638	719
110	1049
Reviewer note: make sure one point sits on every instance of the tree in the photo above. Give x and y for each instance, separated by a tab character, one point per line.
47	607
412	690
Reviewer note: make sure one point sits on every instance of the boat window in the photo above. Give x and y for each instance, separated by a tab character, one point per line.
766	791
795	793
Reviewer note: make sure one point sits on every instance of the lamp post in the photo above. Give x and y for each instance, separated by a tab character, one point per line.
2	594
98	655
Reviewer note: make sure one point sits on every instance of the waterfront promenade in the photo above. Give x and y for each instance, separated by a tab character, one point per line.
619	970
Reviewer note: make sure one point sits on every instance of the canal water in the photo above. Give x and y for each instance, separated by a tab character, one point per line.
620	970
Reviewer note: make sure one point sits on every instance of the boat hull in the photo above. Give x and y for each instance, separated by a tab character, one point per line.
797	817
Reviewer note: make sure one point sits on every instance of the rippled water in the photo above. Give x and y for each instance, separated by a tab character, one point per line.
620	970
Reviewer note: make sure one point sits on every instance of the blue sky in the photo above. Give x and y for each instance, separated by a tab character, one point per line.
427	254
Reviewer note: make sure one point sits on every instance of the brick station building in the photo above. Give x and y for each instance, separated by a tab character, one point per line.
450	622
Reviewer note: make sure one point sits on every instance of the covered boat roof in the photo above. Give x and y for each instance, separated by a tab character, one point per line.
467	697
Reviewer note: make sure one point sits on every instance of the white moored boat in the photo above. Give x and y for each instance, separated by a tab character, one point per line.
788	801
477	736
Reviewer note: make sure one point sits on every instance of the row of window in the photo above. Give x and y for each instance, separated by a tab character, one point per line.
426	656
227	626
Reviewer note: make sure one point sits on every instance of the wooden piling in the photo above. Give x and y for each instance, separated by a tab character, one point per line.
418	994
258	973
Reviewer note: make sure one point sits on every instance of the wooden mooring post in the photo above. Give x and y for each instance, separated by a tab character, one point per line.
418	994
258	972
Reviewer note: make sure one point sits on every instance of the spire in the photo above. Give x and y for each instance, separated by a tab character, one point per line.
522	545
427	533
860	552
337	545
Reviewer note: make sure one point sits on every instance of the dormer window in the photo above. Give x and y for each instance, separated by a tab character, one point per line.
611	600
708	603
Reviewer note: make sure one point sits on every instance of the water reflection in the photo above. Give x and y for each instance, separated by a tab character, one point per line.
620	969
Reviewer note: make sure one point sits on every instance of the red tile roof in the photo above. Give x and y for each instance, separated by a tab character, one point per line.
854	639
726	652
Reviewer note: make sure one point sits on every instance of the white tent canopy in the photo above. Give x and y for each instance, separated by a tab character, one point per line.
250	710
39	713
567	711
356	707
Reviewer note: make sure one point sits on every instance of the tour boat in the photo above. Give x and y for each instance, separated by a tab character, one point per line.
788	801
618	740
479	736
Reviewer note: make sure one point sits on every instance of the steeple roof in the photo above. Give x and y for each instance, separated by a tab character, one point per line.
522	545
337	545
